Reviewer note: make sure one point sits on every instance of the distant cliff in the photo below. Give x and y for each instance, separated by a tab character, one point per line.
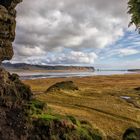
24	66
134	70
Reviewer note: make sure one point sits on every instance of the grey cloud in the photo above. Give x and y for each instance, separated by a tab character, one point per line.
71	57
50	24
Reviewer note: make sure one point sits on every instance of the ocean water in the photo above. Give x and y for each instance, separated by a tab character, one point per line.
36	75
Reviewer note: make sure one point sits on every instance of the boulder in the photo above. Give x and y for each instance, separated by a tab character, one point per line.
137	88
132	134
64	85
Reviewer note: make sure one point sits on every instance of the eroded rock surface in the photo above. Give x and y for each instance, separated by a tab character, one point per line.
14	95
7	28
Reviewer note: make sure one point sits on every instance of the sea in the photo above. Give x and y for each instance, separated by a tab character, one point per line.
38	75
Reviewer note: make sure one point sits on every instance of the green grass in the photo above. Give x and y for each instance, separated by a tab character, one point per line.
49	117
69	125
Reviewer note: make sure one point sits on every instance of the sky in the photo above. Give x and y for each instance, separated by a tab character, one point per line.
76	32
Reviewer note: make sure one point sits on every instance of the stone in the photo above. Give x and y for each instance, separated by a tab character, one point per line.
14	95
132	134
64	85
7	28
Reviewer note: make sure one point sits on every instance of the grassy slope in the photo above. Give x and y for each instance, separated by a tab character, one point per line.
98	101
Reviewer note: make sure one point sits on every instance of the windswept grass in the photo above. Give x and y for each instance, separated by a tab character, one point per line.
55	127
97	101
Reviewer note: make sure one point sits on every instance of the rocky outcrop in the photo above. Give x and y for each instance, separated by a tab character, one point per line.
7	28
132	134
14	96
64	85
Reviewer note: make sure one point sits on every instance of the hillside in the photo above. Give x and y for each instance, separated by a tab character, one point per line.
24	66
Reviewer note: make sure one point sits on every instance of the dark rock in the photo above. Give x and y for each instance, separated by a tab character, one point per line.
7	28
137	88
65	85
5	3
14	95
132	134
62	129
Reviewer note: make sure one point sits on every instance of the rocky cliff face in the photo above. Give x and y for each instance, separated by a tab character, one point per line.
7	28
13	93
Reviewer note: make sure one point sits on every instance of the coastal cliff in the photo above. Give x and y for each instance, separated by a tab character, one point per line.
24	66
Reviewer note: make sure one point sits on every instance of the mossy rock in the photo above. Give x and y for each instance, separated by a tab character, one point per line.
137	88
64	85
14	95
55	127
34	107
12	91
132	134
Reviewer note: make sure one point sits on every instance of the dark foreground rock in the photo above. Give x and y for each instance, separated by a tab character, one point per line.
137	88
7	28
13	97
132	134
65	85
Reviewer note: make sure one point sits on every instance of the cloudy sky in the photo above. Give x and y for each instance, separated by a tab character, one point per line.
76	32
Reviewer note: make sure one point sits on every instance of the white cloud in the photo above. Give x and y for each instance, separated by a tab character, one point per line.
48	25
68	58
27	51
127	52
80	57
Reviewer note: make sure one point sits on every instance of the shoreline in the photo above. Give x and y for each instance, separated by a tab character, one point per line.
25	75
84	77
